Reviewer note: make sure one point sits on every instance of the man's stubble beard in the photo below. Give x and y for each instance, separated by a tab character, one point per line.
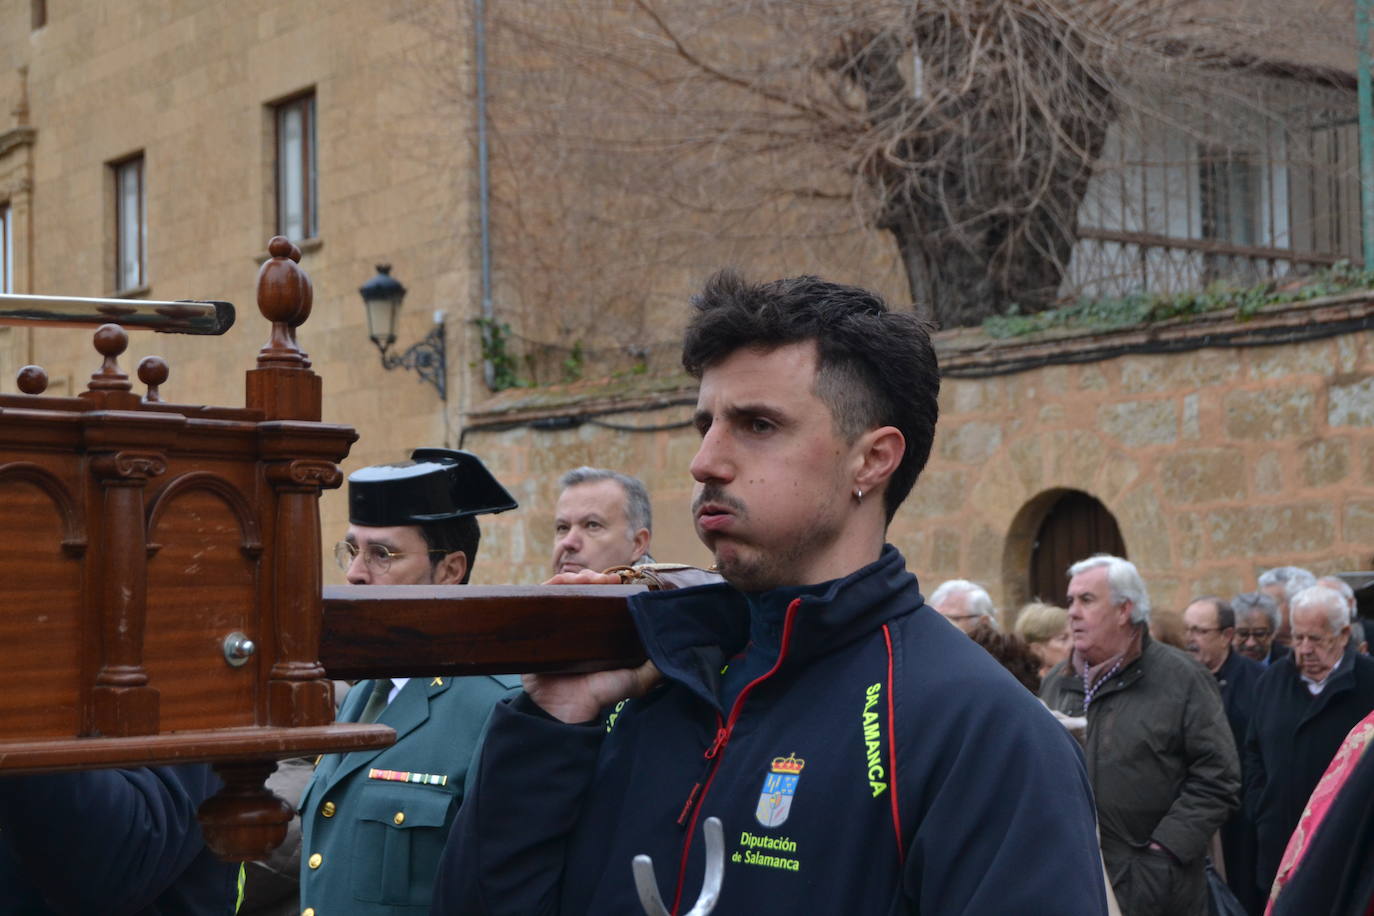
757	569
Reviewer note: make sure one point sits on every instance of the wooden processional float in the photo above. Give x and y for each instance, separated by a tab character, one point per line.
161	574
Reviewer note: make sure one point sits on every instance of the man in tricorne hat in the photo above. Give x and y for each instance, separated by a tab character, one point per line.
373	822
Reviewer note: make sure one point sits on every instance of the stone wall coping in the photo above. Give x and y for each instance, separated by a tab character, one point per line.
589	397
969	353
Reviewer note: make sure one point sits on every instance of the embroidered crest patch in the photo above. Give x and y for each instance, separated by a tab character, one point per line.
779	786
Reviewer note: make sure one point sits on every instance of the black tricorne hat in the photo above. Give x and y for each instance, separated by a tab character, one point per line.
434	485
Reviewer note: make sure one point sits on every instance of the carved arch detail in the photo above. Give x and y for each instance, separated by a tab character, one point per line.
73	525
250	537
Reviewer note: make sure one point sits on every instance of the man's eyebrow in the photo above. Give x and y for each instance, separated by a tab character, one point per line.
736	411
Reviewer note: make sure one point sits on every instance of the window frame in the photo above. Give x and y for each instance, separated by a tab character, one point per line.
6	247
308	193
119	168
1230	196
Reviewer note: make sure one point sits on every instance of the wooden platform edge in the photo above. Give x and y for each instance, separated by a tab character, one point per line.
218	745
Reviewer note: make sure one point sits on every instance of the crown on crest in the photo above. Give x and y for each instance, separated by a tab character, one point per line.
789	764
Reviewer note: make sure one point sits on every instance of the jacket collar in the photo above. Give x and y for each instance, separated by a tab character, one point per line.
690	633
1231	668
1132	672
1338	682
407	712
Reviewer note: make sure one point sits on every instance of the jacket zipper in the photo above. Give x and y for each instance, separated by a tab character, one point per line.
692	808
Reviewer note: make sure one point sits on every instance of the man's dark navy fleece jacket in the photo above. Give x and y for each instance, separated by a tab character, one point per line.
869	759
117	842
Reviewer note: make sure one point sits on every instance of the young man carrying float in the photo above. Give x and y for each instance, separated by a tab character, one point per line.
863	755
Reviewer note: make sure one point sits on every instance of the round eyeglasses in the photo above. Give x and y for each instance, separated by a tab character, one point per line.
1243	634
376	557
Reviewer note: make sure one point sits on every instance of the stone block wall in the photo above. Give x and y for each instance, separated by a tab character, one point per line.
190	85
1215	462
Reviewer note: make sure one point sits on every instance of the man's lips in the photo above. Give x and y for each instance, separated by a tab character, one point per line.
712	517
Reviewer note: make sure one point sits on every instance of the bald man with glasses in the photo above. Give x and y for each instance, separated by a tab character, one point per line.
374	822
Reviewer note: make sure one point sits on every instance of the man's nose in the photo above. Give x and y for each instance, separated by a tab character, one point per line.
358	573
711	463
570	542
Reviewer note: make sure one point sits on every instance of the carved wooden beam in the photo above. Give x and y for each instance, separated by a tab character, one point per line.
455	630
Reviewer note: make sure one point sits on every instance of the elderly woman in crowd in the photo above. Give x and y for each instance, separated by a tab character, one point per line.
1045	630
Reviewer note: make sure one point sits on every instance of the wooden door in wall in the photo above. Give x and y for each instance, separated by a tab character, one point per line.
1076	527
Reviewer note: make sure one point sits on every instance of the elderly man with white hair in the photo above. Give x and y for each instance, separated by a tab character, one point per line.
1304	706
965	604
1161	757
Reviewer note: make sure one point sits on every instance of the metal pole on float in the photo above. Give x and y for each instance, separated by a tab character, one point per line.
1366	103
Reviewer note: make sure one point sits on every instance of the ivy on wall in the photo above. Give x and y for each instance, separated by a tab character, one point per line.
1147	308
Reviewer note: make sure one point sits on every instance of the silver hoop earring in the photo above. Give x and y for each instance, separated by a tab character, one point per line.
858	494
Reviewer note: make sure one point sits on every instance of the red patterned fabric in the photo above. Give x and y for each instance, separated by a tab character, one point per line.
1342	765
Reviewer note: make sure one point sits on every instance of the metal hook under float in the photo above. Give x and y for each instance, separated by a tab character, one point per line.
647	885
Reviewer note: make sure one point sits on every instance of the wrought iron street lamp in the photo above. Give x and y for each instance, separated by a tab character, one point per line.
382	298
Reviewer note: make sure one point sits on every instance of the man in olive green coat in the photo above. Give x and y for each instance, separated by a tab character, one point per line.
374	822
1161	758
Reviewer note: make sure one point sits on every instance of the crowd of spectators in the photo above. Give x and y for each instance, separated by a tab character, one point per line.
1206	732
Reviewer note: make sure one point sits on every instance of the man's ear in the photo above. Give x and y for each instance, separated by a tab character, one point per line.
878	452
640	545
451	569
1127	608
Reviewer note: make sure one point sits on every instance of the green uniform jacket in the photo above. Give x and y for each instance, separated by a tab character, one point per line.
370	845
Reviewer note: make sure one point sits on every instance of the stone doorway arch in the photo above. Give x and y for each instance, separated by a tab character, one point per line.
1052	530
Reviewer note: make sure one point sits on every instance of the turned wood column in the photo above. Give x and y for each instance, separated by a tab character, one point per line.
298	691
124	704
126	449
301	458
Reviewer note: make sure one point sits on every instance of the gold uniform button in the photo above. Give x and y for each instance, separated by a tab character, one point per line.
315	860
328	809
308	911
399	819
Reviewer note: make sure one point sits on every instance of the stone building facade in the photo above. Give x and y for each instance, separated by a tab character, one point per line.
193	88
190	89
1234	446
1213	462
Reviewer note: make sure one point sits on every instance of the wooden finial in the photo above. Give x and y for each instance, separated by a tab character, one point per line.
284	298
110	341
32	380
153	371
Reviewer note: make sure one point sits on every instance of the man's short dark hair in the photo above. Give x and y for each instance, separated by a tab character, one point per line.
451	535
876	367
1226	615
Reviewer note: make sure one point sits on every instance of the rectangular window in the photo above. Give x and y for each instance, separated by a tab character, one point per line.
6	250
1229	197
131	225
297	212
